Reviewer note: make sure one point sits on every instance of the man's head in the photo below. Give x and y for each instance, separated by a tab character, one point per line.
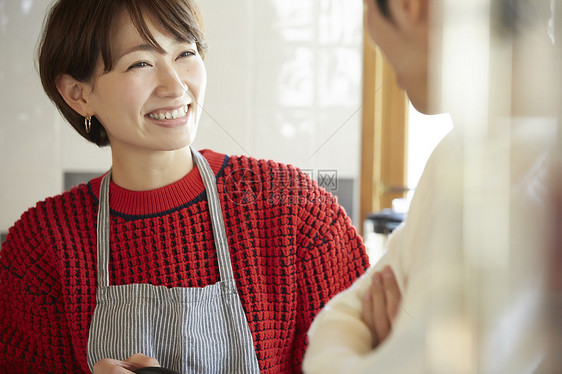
400	28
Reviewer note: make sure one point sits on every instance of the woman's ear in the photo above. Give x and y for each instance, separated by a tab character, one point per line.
74	93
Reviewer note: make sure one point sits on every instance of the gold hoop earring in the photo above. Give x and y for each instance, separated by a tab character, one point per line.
88	123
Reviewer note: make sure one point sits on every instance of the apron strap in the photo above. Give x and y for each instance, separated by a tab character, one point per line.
103	232
215	212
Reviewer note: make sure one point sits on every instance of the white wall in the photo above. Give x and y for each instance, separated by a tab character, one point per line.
283	83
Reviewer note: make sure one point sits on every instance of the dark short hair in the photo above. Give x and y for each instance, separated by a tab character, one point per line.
75	33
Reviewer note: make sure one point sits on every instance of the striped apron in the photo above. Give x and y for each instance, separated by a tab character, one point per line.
190	330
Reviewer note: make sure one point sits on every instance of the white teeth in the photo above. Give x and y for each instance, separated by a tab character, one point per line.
176	113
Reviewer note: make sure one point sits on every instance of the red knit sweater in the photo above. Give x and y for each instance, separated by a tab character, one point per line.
292	248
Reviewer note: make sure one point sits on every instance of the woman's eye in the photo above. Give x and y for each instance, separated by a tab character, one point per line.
140	64
187	54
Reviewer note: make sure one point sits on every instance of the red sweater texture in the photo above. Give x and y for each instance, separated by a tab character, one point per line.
292	248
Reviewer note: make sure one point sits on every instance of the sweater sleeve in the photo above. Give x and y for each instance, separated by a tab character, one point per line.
33	337
339	340
331	256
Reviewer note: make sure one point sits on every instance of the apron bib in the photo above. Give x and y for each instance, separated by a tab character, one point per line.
190	330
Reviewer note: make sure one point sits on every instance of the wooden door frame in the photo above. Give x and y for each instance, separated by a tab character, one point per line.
384	134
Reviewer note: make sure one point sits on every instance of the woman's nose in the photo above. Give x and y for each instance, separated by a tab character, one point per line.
170	83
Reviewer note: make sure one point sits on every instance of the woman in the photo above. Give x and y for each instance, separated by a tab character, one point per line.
200	261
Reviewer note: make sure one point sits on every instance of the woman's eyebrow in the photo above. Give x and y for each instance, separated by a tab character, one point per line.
148	47
140	47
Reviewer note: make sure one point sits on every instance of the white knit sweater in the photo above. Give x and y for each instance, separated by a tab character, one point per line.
432	254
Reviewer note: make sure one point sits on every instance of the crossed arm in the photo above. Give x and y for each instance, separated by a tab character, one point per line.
380	304
358	320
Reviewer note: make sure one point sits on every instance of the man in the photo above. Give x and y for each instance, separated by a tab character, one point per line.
468	257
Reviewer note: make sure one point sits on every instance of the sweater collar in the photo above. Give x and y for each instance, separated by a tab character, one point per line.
161	199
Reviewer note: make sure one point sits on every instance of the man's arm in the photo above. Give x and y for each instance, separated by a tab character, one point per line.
341	334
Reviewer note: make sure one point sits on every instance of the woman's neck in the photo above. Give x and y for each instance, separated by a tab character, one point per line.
142	171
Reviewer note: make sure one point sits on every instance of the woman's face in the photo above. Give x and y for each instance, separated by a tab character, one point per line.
149	101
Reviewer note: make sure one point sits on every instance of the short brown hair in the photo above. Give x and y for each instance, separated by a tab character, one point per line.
76	33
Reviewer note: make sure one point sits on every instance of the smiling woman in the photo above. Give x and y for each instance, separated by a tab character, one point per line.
190	260
140	98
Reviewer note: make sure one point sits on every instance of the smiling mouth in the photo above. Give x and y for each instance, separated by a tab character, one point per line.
174	114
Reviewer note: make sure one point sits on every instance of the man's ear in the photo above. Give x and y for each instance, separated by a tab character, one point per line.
74	93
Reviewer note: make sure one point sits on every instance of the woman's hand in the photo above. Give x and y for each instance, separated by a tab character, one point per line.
138	360
380	304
